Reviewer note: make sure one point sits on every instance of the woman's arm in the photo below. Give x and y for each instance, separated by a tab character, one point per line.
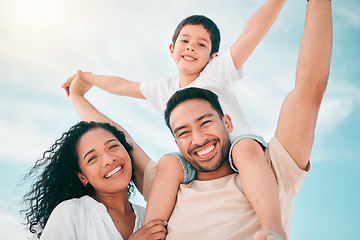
88	112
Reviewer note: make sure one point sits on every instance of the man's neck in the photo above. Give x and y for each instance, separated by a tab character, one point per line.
224	170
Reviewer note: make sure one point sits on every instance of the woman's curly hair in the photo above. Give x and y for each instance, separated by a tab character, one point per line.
56	177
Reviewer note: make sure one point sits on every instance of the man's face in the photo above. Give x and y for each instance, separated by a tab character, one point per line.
201	134
192	49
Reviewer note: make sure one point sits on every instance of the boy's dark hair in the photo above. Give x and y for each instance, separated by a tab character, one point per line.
188	94
207	23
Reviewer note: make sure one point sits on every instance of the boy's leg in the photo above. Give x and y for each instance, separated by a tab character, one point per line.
162	198
259	184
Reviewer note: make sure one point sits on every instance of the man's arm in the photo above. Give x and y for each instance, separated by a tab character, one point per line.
299	112
254	31
111	84
88	112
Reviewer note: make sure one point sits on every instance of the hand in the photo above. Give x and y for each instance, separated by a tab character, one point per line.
153	230
269	235
79	75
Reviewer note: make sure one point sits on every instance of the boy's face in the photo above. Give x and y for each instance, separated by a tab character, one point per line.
192	49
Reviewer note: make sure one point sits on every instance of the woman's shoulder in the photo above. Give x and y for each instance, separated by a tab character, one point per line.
74	205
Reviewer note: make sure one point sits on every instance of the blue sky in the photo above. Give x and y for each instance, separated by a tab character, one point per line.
43	42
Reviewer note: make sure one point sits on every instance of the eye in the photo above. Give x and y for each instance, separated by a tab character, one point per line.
202	45
113	146
183	134
207	122
184	41
92	159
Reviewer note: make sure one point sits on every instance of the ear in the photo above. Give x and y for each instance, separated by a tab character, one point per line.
227	123
171	49
213	56
82	178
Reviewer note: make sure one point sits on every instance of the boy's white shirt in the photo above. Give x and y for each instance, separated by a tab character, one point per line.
218	76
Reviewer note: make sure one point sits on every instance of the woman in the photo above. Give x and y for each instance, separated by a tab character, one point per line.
82	189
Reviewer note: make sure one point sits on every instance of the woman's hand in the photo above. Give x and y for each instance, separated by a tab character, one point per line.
76	83
153	230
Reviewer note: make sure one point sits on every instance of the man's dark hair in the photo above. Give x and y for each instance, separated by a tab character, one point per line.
207	23
188	94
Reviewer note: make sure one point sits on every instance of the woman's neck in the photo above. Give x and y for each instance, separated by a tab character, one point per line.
120	211
115	202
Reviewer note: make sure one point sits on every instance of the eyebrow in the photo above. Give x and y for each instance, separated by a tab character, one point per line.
188	35
92	150
196	120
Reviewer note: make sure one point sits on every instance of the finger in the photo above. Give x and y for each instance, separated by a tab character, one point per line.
78	72
68	81
155	222
260	236
158	230
67	90
159	236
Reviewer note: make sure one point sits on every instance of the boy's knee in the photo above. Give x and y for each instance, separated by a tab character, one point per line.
248	145
246	150
170	164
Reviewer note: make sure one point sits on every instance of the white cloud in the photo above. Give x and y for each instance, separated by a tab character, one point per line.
25	127
349	13
339	103
11	228
21	143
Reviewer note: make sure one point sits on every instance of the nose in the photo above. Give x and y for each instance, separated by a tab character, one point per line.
198	138
108	159
190	47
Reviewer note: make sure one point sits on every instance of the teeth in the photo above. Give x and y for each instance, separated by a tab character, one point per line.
189	58
206	151
113	172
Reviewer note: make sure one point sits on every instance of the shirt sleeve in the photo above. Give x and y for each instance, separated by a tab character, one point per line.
60	224
158	92
221	70
288	174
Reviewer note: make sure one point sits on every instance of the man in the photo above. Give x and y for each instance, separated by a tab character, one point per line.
216	200
205	208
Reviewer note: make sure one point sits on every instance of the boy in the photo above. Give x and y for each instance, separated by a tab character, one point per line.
194	49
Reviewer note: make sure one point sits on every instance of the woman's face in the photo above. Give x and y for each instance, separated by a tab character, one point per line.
104	162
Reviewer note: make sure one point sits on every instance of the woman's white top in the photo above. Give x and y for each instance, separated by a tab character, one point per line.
85	218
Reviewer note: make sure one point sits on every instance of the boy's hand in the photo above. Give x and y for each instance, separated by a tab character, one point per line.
153	230
77	76
78	88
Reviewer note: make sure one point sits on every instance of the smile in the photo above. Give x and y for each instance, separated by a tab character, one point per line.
189	58
113	172
205	151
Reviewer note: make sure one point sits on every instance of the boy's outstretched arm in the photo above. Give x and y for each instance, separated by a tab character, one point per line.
111	84
88	112
254	31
